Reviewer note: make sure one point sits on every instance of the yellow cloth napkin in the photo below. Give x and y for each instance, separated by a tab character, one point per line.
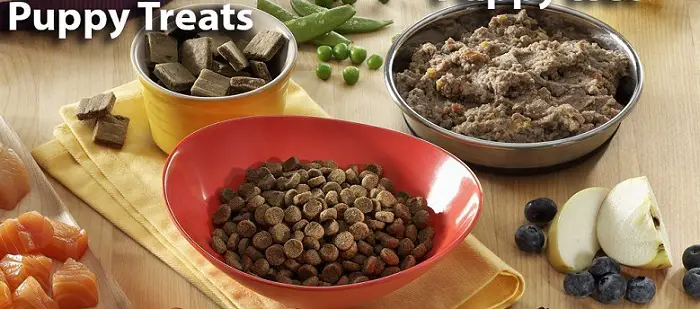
125	187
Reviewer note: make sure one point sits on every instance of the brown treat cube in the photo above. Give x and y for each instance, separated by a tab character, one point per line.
195	55
217	39
174	76
225	69
233	55
97	106
241	84
160	48
211	84
264	45
110	131
260	70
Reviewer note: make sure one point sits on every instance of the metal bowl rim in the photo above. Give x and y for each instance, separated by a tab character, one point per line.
437	15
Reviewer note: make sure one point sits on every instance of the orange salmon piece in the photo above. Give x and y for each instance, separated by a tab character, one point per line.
14	179
67	242
75	286
30	295
5	293
17	268
29	233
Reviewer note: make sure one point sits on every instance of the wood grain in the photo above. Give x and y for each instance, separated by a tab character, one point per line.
43	198
39	73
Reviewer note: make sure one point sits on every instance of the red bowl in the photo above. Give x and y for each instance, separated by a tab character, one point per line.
218	155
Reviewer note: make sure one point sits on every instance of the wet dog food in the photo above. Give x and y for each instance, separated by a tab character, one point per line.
316	224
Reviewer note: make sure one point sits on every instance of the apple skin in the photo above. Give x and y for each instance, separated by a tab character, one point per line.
630	227
588	201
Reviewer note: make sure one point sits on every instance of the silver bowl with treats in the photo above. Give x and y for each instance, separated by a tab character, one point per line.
514	89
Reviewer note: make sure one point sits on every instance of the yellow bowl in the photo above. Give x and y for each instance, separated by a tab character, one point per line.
172	115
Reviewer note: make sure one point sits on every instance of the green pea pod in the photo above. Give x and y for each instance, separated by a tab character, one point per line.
308	27
353	25
331	38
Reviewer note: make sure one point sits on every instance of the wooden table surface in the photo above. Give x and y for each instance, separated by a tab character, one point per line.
39	73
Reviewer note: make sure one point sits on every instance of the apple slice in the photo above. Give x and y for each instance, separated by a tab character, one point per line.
630	228
573	241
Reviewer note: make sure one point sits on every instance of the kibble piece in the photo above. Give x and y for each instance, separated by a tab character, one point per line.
289	196
347	197
110	131
314	229
351	266
389	242
260	70
370	181
96	106
374	192
221	215
331	272
195	55
426	234
220	233
375	168
280	233
210	84
364	248
292	214
375	225
246	228
243	246
253	253
419	251
246	262
248	190
343	280
388	271
273	197
337	176
416	204
311	281
329	252
274	215
344	240
229	228
405	248
253	175
389	256
364	204
260	267
316	181
274	167
353	215
233	55
259	213
237	204
293	248
401	211
262	240
160	48
358	191
312	208
292	264
242	84
380	267
411	233
328	214
226	195
255	202
275	255
408	262
311	257
359	259
264	45
318	194
291	164
233	240
420	218
267	182
217	39
351	177
332	186
302	198
384	216
377	206
302	187
369	266
218	244
350	253
396	229
311	243
332	198
386	184
232	259
386	199
331	228
359	230
299	235
300	225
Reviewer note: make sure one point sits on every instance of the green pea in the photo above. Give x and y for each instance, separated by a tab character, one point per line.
340	51
351	75
325	3
358	54
396	36
324	53
323	71
375	62
349	1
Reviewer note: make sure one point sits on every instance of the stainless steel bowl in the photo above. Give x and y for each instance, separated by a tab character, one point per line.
513	155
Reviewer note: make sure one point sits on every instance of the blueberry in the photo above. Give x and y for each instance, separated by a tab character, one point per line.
640	290
611	289
602	266
579	284
691	257
540	211
691	282
530	238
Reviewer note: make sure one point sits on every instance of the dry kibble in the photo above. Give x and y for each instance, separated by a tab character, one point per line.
248	190
377	205
351	266
243	246
302	187
292	264
246	262
246	228
292	214
229	228
302	198
221	234
419	251
375	168
259	214
311	165
358	191
331	272
346	196
328	214
420	219
280	233
260	267
315	172
344	240
233	240
314	229
343	281
253	253
349	253
237	203
232	259
311	243
325	171
364	204
293	248
255	201
316	181
411	233
330	228
375	225
332	186
327	163
311	257
329	252
291	164
389	242
274	167
416	204
397	228
386	184
274	216
341	208
359	279
273	197
289	196
426	234
318	194
221	215
303	176
299	235
374	192
370	181
337	176
275	255
312	209
384	216
370	265
389	256
380	267
408	262
351	177
300	225
401	211
312	281
359	230
405	248
353	215
291	182
386	199
388	271
365	173
218	244
267	182
332	198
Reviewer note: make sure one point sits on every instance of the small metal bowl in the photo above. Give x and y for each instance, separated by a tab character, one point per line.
517	156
